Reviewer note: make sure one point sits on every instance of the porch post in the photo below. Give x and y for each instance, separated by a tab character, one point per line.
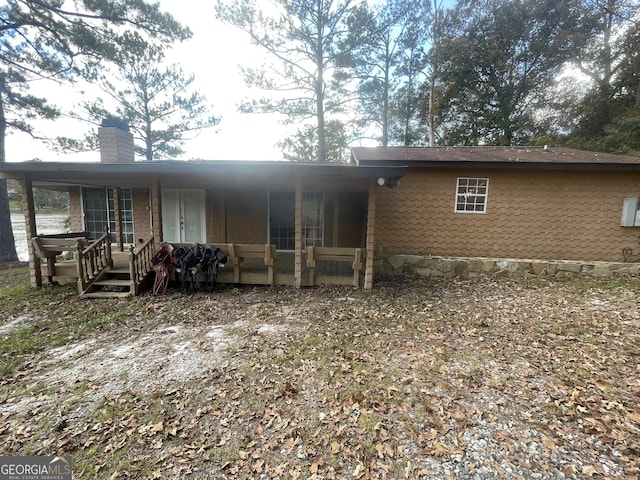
371	218
117	219
156	210
298	234
35	271
336	219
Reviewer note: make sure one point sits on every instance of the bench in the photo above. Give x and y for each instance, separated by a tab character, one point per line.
355	256
49	247
239	252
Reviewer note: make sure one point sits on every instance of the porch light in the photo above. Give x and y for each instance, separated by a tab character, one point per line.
381	181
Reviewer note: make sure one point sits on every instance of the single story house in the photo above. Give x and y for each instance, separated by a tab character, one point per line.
292	218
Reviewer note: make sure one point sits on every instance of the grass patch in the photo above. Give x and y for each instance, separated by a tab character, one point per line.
37	337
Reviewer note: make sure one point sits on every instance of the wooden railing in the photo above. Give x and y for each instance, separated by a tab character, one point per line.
93	260
238	252
140	264
354	256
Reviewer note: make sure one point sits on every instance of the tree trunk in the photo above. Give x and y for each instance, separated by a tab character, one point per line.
322	137
7	242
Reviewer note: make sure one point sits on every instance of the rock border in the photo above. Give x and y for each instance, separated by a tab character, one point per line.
501	268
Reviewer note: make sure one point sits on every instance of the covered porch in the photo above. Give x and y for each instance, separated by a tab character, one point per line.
294	224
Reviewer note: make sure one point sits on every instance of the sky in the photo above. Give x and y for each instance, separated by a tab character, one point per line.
213	55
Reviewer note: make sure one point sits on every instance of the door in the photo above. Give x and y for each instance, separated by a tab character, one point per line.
183	215
282	222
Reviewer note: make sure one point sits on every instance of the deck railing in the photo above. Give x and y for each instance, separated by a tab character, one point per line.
94	260
353	256
140	264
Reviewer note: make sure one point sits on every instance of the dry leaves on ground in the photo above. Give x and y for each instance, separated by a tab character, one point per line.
448	379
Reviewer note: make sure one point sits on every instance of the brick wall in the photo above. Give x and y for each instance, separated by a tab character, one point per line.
530	214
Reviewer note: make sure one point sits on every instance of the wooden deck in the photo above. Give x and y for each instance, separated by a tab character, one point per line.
253	271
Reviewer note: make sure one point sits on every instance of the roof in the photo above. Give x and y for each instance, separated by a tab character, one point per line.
203	171
493	157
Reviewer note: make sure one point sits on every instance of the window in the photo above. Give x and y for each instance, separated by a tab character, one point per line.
471	195
313	219
282	224
99	213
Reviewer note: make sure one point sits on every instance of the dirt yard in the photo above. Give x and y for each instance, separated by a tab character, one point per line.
416	379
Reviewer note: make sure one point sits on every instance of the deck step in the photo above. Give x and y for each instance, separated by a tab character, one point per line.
112	282
118	271
106	295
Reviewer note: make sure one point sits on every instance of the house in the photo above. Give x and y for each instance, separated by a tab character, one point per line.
307	223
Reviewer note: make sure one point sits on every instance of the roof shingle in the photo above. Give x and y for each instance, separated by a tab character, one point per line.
503	157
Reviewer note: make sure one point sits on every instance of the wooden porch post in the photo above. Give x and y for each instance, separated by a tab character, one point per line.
28	208
371	218
156	210
298	234
117	219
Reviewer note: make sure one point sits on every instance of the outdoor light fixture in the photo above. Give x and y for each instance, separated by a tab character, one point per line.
381	181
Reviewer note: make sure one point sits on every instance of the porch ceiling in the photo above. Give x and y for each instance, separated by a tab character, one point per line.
194	173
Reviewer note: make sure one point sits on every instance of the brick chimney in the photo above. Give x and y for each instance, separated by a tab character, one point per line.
116	141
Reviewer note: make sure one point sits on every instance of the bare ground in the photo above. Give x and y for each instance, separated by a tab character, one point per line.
416	379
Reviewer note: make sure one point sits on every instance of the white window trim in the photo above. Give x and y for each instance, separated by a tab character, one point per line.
485	195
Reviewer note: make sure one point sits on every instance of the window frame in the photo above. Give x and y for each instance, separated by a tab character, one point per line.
471	183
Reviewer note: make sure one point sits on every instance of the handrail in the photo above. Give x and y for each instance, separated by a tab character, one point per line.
93	260
140	263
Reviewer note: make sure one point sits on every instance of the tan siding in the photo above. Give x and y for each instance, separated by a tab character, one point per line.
141	214
215	216
530	214
247	216
75	209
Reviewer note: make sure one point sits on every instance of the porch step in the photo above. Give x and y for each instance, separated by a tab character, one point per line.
118	271
106	295
112	282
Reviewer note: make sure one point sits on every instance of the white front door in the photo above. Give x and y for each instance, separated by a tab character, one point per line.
183	216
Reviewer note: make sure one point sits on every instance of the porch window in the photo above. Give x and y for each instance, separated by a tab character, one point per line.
313	219
471	195
99	212
282	219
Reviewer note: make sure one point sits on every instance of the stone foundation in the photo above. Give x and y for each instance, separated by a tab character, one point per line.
448	267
